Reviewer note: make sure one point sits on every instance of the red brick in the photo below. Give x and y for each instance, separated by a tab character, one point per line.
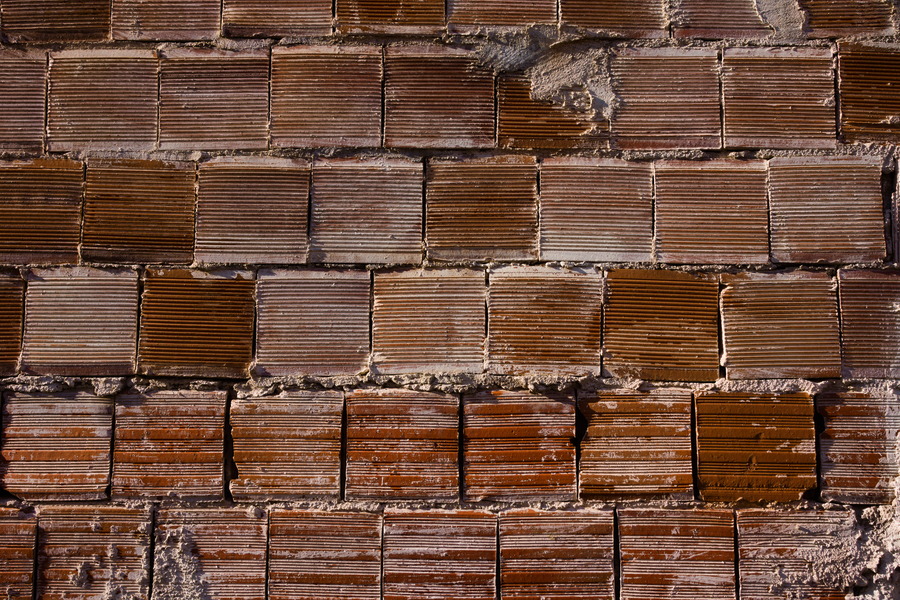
169	443
870	107
714	19
389	16
402	445
839	18
628	18
12	314
22	99
469	15
870	323
264	18
55	20
519	446
17	539
166	20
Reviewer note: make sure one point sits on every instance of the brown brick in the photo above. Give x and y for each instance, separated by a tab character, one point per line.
712	212
661	325
366	211
628	18
196	324
714	19
56	446
870	106
17	540
669	98
288	446
22	99
12	313
166	20
389	16
102	99
312	322
482	209
519	446
264	18
870	323
755	447
427	321
780	325
324	555
469	15
138	211
169	443
544	319
637	444
326	96
55	20
839	18
402	445
436	97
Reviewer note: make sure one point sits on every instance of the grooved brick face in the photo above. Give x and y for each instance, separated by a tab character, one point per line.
468	15
870	323
269	18
55	20
17	539
22	99
165	19
870	106
625	18
719	19
12	297
838	18
389	16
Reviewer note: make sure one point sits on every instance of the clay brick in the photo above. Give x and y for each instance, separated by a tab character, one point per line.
226	546
535	564
669	98
427	321
17	538
544	319
196	324
40	216
839	18
858	449
436	555
389	16
93	552
326	96
596	210
519	446
288	446
712	212
56	446
102	100
324	555
482	209
166	20
402	445
870	106
55	20
628	18
138	211
779	98
755	447
265	18
12	313
661	325
213	99
169	443
80	321
637	444
437	97
870	323
312	322
366	211
469	15
780	326
22	100
827	209
715	19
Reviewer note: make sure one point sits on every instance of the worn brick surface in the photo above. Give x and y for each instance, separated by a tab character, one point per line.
17	541
870	323
836	18
22	99
55	20
12	298
626	18
165	19
713	19
264	18
389	16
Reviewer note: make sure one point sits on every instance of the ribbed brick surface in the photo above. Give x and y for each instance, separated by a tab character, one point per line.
55	20
165	19
870	324
12	297
834	18
869	75
23	98
389	16
720	19
262	18
641	18
17	540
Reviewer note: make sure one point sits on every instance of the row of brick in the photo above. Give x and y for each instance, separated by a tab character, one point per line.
437	97
404	445
427	555
257	210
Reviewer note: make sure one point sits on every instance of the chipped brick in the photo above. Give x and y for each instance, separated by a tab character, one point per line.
22	100
12	299
714	19
870	323
469	15
628	18
17	537
389	16
165	20
839	18
264	18
870	106
55	20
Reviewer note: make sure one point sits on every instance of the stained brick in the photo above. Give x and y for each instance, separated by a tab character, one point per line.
870	323
519	446
17	538
265	18
628	18
22	99
838	18
469	15
169	443
720	19
870	106
389	16
402	445
166	20
756	447
12	299
55	20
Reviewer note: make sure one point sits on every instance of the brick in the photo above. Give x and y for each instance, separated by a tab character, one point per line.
169	443
326	96
716	19
780	326
661	325
596	210
837	18
437	97
312	322
264	18
755	447
22	100
226	546
469	15
389	16
779	98
80	321
93	552
102	99
534	564
138	211
287	447
519	446
669	98
482	209
712	212
56	446
40	216
826	209
402	445
428	321
625	18
324	555
12	314
55	20
544	319
869	76
166	20
637	444
366	211
196	324
17	540
656	562
213	99
436	555
870	323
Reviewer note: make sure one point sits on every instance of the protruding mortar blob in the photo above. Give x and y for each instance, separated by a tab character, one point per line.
785	17
177	574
